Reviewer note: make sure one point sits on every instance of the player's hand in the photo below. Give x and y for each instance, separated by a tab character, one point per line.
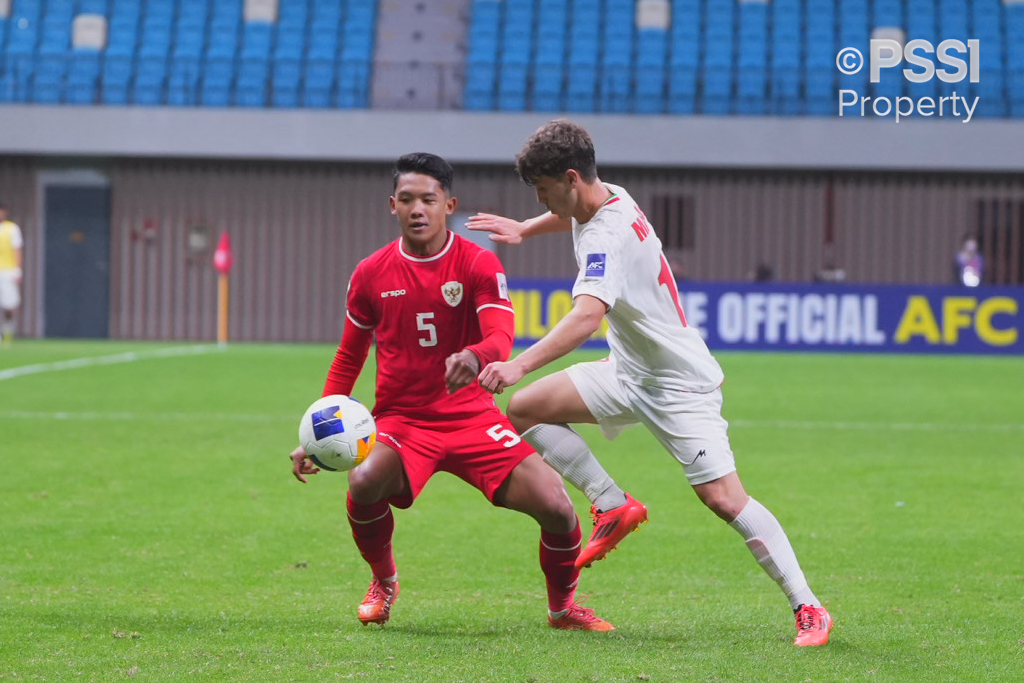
460	369
497	376
301	464
503	230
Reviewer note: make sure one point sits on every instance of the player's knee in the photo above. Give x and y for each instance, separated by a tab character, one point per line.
365	485
558	515
719	501
521	411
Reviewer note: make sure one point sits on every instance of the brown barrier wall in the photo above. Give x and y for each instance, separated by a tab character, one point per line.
298	229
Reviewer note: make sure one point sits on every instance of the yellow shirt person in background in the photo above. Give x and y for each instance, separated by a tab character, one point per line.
10	274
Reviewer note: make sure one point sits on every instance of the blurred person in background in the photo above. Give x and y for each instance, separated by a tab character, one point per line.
659	373
10	274
968	265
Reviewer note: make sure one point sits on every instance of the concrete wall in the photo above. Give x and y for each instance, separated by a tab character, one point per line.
831	143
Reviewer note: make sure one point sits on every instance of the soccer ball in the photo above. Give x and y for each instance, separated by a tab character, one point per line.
337	432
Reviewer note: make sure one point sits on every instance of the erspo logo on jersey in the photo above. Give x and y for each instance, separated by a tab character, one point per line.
595	265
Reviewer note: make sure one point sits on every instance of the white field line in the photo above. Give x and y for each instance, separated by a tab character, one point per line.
877	426
127	357
129	416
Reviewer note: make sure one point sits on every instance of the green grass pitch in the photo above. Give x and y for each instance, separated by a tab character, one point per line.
150	530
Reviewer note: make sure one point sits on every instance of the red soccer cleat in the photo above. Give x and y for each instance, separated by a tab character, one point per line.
812	626
376	605
578	618
610	528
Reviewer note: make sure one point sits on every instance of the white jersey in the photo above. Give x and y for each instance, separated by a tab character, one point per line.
621	263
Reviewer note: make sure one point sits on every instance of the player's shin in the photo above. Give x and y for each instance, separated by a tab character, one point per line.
558	554
566	451
372	528
771	548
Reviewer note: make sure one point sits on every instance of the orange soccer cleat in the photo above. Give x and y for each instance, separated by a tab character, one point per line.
376	605
609	528
812	626
578	618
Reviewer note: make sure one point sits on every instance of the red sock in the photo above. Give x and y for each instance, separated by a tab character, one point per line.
372	527
558	553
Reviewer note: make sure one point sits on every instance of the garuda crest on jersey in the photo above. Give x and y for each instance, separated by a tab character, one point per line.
452	292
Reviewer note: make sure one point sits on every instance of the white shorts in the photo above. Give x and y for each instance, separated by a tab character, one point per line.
10	292
689	425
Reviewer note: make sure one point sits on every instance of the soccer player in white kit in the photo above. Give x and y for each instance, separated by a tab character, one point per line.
659	373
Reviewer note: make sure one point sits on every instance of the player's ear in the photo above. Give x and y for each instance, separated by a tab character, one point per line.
573	177
450	205
391	205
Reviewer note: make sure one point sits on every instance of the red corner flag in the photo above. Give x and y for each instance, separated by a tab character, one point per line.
222	257
222	262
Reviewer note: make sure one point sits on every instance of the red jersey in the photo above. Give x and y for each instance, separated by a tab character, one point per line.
422	310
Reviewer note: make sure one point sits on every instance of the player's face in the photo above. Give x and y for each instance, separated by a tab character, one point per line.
558	194
422	208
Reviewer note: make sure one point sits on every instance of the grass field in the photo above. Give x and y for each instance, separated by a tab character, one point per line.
150	530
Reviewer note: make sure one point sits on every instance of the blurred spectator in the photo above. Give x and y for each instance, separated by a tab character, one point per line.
10	274
968	264
830	273
762	272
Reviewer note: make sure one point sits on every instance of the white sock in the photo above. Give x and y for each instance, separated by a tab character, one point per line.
567	452
771	548
7	330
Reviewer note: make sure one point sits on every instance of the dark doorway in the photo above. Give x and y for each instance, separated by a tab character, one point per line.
77	259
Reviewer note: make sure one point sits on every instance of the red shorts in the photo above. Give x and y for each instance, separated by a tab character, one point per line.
481	450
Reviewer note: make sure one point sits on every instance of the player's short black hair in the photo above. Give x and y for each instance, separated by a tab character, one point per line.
553	149
426	164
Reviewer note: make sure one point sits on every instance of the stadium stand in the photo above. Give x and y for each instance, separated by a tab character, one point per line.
245	53
728	57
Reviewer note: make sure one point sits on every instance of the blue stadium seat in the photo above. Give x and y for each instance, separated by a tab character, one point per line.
547	87
318	83
285	96
615	89
353	84
256	39
649	71
682	90
512	87
82	76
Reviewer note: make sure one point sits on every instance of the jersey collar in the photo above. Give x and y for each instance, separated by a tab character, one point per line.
426	259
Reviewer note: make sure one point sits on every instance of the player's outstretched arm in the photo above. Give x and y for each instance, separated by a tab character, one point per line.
301	464
497	327
571	331
509	231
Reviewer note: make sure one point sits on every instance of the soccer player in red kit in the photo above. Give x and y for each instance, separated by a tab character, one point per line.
438	307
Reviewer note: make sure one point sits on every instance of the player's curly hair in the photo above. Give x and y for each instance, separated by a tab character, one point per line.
553	149
425	163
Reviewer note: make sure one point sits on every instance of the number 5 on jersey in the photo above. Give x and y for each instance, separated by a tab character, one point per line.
498	432
423	324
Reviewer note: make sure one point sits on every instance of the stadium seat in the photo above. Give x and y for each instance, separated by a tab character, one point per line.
749	57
